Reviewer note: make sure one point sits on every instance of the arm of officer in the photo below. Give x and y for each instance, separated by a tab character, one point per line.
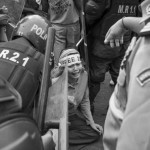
114	36
135	129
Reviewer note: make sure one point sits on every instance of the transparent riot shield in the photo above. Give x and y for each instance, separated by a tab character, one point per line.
15	8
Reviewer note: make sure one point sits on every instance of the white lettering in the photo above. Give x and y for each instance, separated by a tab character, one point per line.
39	31
43	35
126	9
134	9
131	9
120	9
25	61
4	53
16	55
34	27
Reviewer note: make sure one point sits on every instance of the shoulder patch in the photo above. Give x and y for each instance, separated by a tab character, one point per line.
144	77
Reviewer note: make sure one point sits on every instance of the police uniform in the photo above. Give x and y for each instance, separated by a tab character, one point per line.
127	122
21	65
103	58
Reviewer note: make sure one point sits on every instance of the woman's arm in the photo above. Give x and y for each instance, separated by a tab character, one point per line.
85	109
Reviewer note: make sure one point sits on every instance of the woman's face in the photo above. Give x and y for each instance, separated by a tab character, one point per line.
74	70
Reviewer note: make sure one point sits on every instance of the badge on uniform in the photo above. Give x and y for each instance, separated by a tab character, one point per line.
144	77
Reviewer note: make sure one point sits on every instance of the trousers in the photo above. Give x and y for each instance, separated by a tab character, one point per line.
80	132
65	36
98	68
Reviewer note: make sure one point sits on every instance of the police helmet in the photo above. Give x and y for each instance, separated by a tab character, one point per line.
34	28
19	132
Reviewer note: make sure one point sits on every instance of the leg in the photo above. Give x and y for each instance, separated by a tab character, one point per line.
115	67
80	132
73	34
94	88
60	42
98	68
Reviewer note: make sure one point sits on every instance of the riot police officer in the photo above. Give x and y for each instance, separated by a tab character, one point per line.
23	56
100	15
21	62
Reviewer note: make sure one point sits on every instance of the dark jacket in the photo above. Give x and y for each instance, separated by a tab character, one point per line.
100	16
21	65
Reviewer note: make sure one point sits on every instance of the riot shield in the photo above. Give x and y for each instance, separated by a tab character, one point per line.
15	8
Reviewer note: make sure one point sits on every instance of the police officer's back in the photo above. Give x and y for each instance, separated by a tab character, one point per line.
22	58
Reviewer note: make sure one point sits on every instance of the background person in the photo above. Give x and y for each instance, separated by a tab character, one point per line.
100	15
64	18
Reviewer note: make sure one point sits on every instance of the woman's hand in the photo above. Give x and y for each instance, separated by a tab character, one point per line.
97	128
114	36
71	100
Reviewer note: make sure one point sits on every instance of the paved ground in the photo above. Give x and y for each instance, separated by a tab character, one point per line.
101	105
102	101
